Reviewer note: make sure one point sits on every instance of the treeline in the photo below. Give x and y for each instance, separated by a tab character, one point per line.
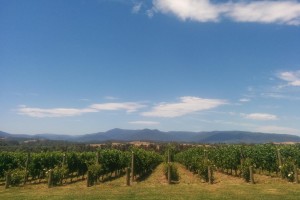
65	146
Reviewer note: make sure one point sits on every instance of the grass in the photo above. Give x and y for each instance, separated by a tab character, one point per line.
155	187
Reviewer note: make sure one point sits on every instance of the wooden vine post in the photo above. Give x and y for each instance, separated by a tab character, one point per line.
169	167
97	158
88	179
251	175
97	163
7	180
279	162
127	176
26	168
210	175
63	164
132	166
50	178
64	159
296	173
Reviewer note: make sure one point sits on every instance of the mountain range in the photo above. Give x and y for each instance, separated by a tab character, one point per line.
161	136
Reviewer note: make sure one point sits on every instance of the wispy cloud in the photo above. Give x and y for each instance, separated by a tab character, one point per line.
111	98
291	77
127	106
280	12
30	94
144	122
137	7
233	123
260	116
84	100
68	112
186	106
280	96
53	112
278	129
244	100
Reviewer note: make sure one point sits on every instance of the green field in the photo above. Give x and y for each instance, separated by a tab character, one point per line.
156	187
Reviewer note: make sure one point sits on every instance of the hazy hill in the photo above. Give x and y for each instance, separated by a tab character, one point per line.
160	136
3	134
244	137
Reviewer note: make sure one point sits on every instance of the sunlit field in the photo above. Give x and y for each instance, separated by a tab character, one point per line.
155	186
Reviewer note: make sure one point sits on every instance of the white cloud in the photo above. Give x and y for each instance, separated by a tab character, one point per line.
280	12
144	122
53	112
260	116
273	95
68	112
186	105
233	123
198	10
292	77
278	129
128	106
150	12
244	100
280	96
111	98
137	7
84	100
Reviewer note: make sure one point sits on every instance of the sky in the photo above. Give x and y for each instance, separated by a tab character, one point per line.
85	66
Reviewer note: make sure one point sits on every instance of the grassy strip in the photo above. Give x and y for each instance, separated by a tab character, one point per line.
155	187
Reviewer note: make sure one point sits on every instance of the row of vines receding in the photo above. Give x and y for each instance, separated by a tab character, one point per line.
243	160
22	168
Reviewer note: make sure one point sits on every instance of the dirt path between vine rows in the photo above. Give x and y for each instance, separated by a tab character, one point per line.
157	177
186	177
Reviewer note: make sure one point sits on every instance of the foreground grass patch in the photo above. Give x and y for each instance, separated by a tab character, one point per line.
155	187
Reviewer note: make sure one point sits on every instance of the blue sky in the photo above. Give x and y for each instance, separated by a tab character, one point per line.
76	67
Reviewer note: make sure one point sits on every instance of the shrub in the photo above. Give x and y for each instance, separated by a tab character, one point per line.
174	171
17	176
58	174
203	169
287	169
244	168
95	172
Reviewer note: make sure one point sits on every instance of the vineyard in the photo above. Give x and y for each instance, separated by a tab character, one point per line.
57	167
238	160
205	163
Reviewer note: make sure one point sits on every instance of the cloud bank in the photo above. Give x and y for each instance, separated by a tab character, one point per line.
186	105
129	107
279	12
